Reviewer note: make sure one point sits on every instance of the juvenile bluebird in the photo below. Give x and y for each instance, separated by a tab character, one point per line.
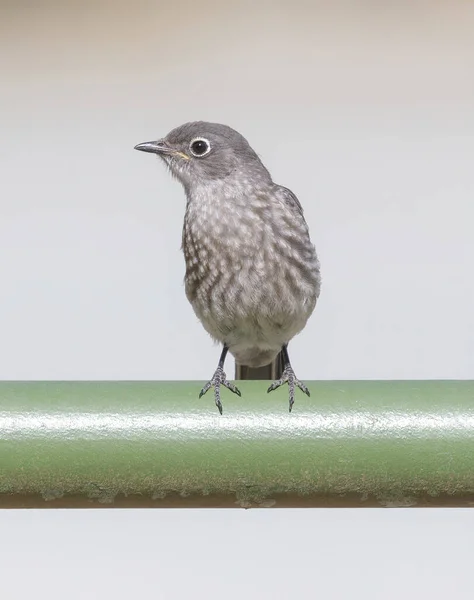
252	273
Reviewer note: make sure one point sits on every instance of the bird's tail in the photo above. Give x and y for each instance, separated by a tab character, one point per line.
269	372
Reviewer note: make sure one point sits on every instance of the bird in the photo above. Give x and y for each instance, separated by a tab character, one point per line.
252	273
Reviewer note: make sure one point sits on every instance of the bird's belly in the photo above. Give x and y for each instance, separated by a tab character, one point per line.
254	321
251	296
257	341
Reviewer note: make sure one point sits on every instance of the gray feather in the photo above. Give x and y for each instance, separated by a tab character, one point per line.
252	273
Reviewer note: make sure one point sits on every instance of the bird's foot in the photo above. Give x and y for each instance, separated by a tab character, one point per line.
288	376
218	379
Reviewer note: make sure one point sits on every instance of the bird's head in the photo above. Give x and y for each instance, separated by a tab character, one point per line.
201	152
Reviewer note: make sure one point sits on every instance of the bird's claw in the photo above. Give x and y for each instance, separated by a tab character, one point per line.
288	376
218	379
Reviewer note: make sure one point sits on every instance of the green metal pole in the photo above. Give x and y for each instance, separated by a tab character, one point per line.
144	444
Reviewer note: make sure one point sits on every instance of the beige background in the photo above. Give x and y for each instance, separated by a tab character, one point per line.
365	110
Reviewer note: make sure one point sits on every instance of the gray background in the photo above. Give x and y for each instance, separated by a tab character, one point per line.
363	109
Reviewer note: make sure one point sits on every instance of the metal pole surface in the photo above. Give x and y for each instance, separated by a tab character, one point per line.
155	444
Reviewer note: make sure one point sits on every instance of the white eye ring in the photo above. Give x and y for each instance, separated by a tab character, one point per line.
199	139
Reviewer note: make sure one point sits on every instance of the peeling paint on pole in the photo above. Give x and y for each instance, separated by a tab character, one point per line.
155	444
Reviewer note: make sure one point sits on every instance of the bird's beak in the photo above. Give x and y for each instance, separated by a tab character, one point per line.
159	147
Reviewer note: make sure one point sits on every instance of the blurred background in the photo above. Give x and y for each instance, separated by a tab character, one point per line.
365	110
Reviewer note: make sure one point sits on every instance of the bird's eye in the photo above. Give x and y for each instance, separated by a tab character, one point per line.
200	147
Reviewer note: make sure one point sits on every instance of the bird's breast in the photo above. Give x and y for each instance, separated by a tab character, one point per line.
248	267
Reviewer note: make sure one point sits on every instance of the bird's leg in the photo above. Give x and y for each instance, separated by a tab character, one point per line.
218	379
288	376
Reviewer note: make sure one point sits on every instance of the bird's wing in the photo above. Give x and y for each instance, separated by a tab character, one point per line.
291	200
